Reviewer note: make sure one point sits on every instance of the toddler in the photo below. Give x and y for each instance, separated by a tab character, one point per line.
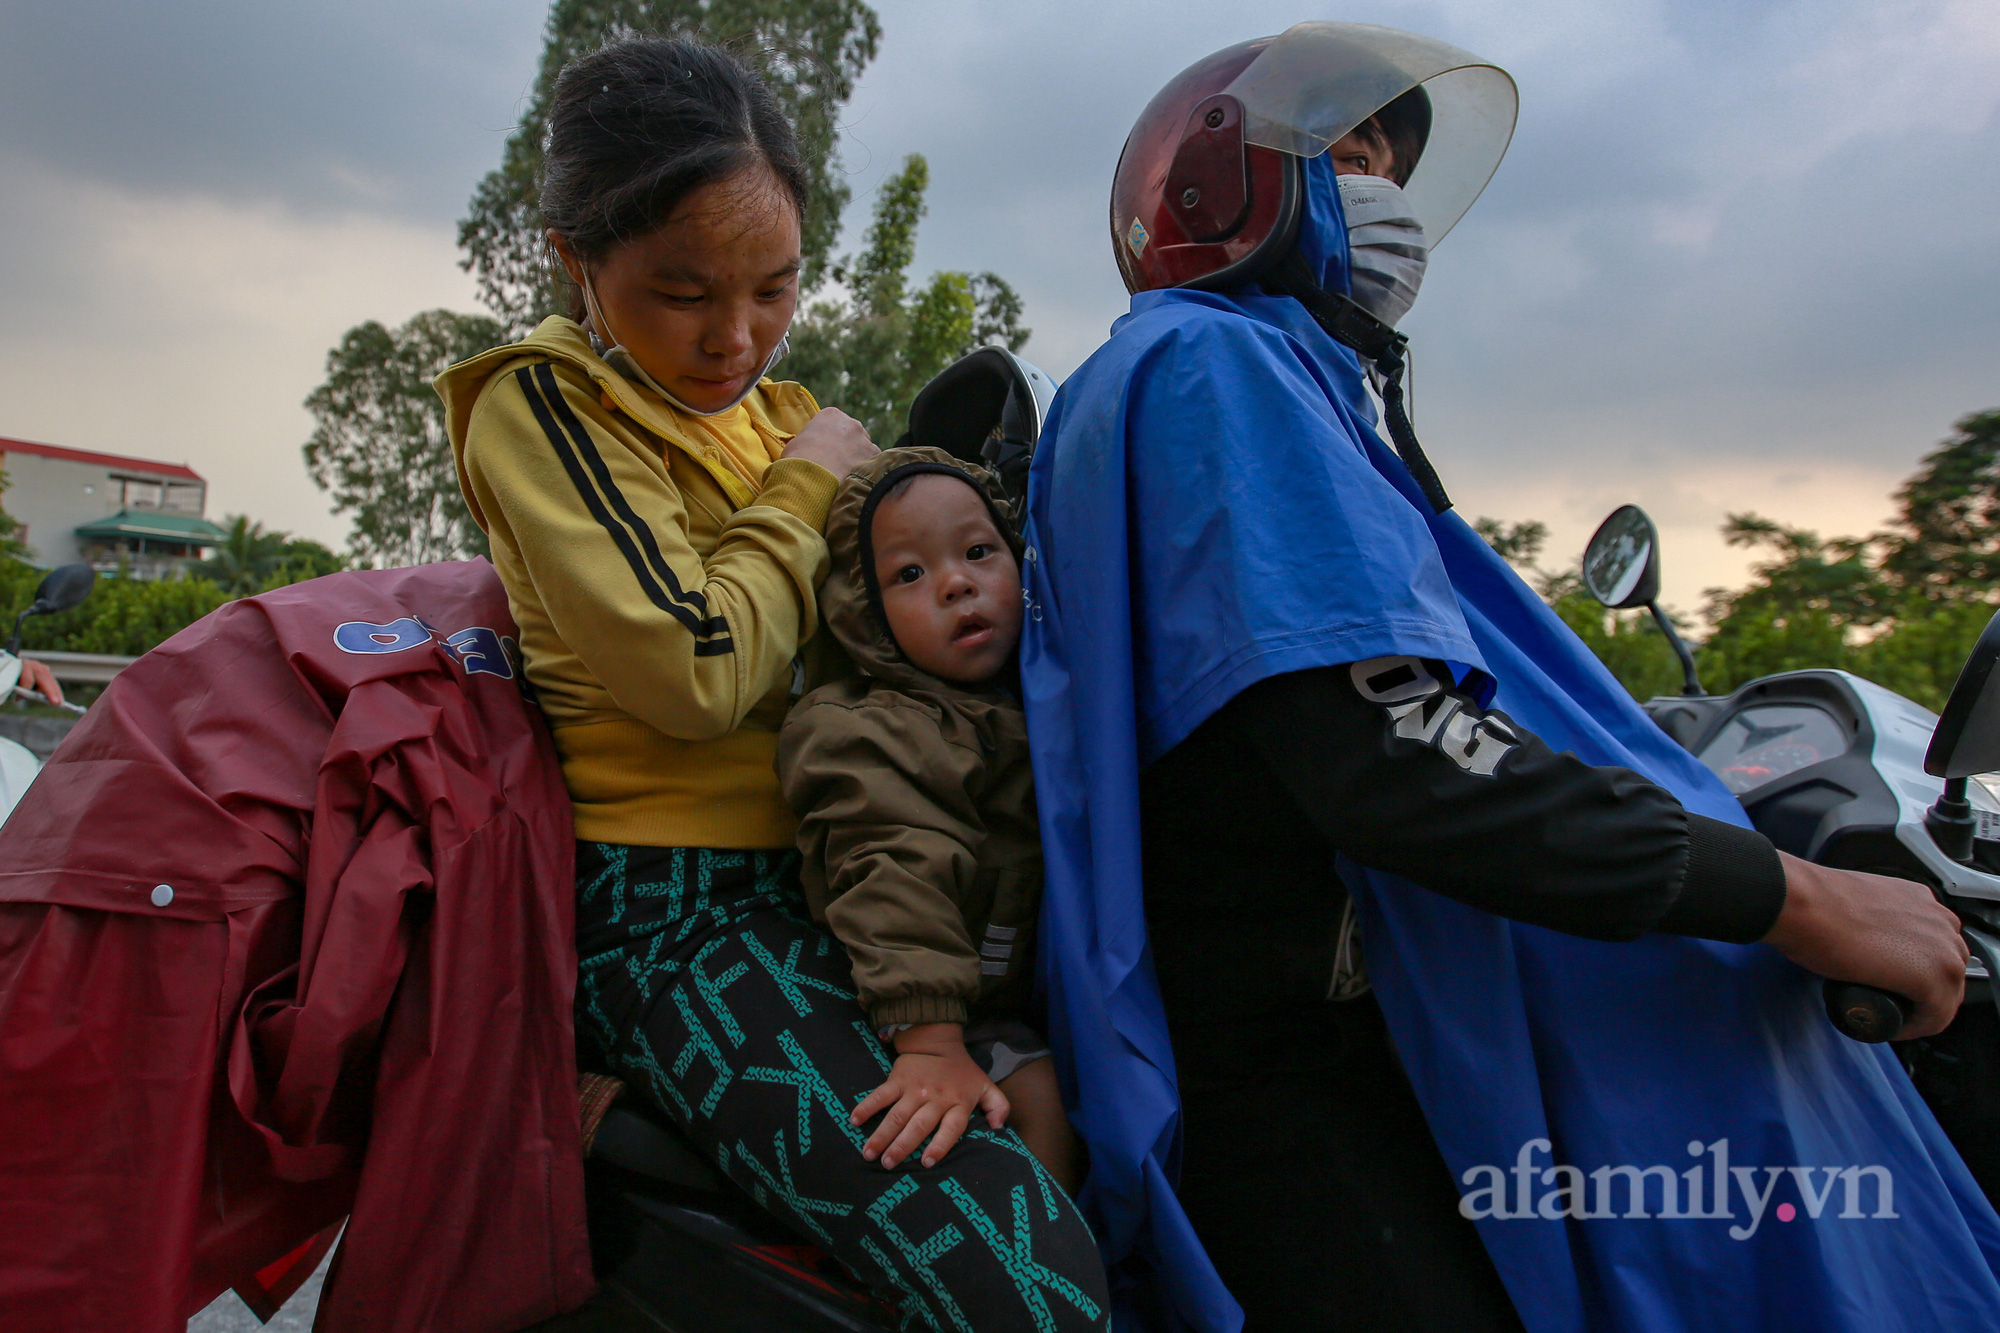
917	806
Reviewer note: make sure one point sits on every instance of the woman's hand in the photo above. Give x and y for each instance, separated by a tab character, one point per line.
37	676
1882	932
934	1085
834	440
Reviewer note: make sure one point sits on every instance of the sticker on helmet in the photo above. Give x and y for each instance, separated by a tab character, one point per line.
1136	237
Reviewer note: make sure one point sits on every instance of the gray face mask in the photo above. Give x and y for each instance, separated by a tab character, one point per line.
621	360
1385	244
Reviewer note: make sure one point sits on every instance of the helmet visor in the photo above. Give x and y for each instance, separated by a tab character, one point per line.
1316	81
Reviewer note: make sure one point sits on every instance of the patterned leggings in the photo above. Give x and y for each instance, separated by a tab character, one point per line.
704	984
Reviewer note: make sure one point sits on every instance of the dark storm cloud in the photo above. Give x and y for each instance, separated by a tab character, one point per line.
1740	256
398	106
1720	228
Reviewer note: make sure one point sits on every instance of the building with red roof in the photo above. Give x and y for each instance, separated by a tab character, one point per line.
108	509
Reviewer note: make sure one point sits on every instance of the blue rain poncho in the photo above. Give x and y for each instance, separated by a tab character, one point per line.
1211	506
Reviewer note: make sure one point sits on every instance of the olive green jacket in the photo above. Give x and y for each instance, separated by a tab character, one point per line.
916	804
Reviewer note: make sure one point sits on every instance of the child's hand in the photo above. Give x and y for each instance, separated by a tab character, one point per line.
934	1085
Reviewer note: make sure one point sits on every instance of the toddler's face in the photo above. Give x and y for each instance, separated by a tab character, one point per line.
951	590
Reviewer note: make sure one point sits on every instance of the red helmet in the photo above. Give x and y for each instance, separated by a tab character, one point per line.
1211	183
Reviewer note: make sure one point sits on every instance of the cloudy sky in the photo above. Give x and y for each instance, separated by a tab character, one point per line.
1741	256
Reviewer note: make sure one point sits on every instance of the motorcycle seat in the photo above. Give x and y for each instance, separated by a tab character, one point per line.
635	1137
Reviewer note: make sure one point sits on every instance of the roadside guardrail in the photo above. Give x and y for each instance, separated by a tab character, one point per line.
82	668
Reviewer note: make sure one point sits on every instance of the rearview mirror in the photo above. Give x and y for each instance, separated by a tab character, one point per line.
1621	566
60	589
64	587
1967	739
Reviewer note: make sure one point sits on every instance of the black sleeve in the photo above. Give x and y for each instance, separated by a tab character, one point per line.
1402	771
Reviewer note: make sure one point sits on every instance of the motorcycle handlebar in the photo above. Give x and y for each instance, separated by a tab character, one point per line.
33	696
1863	1012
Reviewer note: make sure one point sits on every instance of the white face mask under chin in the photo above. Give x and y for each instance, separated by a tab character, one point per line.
1385	245
621	360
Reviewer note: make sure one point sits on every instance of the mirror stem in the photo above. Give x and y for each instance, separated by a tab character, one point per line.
14	643
1691	683
1949	822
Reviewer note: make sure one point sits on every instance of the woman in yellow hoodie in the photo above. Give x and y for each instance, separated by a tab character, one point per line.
656	508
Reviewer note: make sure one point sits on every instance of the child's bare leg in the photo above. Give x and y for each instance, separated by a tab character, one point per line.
1038	1117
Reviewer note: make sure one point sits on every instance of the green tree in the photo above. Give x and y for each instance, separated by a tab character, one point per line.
811	52
1946	544
253	558
870	351
249	554
133	616
1805	606
1627	642
1902	607
11	545
121	615
380	445
1919	656
1516	543
305	559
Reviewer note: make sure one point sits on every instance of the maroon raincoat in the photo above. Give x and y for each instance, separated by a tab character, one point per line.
285	937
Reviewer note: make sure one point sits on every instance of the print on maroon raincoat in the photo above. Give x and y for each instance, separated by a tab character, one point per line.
285	937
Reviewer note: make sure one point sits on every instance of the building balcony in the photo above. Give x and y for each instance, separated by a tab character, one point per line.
151	543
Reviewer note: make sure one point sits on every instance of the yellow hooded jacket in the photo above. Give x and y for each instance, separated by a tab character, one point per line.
663	581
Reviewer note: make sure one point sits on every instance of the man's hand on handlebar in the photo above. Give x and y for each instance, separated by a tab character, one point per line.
834	440
1888	933
36	676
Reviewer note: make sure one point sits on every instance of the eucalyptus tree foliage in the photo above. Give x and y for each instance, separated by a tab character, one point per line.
868	352
380	446
1516	543
1902	607
810	52
865	342
1946	539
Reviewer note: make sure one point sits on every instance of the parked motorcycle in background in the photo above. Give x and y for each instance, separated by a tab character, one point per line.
1839	771
62	588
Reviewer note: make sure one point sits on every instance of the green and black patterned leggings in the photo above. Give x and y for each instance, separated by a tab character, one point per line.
705	985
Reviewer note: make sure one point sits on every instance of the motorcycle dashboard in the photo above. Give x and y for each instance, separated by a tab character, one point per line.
1759	744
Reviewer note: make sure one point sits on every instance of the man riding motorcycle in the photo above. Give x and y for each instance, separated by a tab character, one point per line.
1288	710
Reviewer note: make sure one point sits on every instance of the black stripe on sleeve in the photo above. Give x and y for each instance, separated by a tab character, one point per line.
544	395
637	526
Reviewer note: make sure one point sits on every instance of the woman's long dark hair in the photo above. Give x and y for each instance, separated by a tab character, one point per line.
642	123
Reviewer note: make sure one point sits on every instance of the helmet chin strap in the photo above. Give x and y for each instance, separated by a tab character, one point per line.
1347	323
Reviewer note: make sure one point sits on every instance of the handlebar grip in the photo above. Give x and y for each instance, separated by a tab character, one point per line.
1863	1012
34	697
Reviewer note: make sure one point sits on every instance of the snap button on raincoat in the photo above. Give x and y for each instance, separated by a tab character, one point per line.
285	937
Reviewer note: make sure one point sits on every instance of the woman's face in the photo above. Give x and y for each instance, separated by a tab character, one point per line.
702	302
